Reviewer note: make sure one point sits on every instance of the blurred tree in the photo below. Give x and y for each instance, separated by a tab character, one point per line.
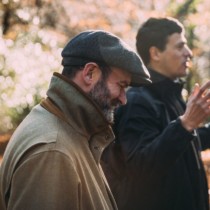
34	32
29	52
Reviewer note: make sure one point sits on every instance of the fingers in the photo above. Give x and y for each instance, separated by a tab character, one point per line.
203	102
196	89
206	96
198	107
204	109
203	89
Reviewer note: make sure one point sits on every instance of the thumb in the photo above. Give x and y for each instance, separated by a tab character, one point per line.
196	89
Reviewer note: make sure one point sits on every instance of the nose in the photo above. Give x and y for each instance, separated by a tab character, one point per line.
122	97
188	52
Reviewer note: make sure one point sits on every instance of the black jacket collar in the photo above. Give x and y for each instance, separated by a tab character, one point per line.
162	86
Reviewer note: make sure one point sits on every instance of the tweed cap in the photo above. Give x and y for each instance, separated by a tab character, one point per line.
105	48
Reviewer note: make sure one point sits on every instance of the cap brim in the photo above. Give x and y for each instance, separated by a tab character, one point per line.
138	80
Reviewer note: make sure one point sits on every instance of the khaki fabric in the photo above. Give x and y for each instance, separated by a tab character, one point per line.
53	162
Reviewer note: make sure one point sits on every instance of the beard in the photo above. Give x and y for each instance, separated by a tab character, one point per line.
101	95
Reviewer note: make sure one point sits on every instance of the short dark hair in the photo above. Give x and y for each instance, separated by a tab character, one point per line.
71	71
155	32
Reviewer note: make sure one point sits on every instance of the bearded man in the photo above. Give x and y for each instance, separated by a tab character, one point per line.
52	161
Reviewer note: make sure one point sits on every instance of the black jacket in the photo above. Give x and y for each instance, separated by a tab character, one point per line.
154	163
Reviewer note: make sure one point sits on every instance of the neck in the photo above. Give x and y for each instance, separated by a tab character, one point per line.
160	71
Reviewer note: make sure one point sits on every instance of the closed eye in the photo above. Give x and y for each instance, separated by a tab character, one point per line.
123	85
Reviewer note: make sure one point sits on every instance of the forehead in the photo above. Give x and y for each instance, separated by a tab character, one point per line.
120	75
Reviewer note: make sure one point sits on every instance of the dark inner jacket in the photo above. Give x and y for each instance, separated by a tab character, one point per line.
154	163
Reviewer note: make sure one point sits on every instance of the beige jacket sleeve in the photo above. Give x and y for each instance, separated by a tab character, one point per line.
47	181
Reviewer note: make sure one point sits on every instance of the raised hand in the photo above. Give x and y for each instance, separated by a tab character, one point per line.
198	107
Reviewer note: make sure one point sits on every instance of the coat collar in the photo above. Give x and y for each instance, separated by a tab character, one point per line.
163	86
76	107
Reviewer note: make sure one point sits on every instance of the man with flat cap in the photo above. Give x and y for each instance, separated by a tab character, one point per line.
52	161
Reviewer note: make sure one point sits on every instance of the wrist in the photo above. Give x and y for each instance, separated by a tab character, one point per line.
185	124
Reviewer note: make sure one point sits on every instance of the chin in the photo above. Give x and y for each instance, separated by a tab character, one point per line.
184	73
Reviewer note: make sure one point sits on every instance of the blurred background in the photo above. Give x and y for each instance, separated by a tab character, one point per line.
33	33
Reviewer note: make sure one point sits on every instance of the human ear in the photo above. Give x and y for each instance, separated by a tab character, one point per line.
154	53
88	75
91	73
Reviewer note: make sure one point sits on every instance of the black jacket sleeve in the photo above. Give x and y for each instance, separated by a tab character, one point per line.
145	136
204	136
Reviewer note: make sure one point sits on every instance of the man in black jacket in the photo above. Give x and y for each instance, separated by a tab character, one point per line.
154	163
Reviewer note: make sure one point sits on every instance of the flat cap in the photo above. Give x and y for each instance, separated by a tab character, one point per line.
105	48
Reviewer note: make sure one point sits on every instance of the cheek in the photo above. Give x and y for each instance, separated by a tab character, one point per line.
173	60
177	56
97	78
114	92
